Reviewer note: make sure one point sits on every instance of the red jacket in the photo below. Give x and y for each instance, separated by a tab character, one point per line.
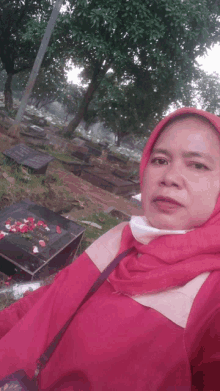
114	343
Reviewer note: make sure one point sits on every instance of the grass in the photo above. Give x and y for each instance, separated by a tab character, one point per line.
44	189
21	173
58	155
91	234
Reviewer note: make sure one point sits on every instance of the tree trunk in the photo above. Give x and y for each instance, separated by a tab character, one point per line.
118	139
118	134
97	77
8	92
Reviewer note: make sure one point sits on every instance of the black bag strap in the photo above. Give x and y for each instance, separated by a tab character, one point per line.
44	358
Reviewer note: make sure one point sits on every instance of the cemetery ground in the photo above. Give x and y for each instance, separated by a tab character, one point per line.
62	192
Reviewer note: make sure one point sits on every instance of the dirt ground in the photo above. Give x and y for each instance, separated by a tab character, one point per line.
93	199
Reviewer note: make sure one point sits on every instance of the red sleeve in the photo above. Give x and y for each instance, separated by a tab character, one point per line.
206	364
11	315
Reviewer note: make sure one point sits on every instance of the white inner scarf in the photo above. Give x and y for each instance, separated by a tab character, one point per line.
143	232
174	303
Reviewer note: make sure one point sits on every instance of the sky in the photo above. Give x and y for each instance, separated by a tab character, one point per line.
209	63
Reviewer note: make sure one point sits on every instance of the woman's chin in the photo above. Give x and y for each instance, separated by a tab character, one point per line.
155	223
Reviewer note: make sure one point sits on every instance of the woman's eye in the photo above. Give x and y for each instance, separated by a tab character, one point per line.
199	165
157	159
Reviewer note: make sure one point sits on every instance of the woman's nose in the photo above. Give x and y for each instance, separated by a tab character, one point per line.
172	175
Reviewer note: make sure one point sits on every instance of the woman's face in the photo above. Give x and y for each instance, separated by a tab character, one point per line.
187	169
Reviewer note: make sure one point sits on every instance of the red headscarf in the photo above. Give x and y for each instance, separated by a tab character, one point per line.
170	260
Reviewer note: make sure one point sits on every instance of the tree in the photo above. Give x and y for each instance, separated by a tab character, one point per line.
203	92
71	97
50	84
22	25
155	42
207	93
124	108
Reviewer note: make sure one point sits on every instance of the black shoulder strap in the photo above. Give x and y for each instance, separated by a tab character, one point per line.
44	358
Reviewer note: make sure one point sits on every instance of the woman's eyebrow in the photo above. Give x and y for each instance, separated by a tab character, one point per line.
186	154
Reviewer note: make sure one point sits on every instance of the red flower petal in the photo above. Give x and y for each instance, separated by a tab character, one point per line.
58	229
40	222
30	219
24	229
2	236
42	243
8	222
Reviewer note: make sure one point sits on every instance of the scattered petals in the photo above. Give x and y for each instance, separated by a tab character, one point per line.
4	233
24	229
42	243
30	219
58	229
35	249
40	222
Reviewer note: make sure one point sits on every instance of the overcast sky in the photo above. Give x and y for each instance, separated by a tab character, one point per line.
211	62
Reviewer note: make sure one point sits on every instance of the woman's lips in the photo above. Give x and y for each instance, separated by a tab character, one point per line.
166	206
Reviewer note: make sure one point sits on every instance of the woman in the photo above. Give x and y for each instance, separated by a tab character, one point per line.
155	324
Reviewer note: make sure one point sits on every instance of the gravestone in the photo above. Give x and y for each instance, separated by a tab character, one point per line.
27	156
104	179
117	159
94	151
35	132
16	251
74	167
80	152
79	141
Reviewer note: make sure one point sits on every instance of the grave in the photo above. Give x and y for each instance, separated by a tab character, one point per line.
35	132
78	141
16	251
74	167
80	152
27	156
106	180
113	158
94	151
124	174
